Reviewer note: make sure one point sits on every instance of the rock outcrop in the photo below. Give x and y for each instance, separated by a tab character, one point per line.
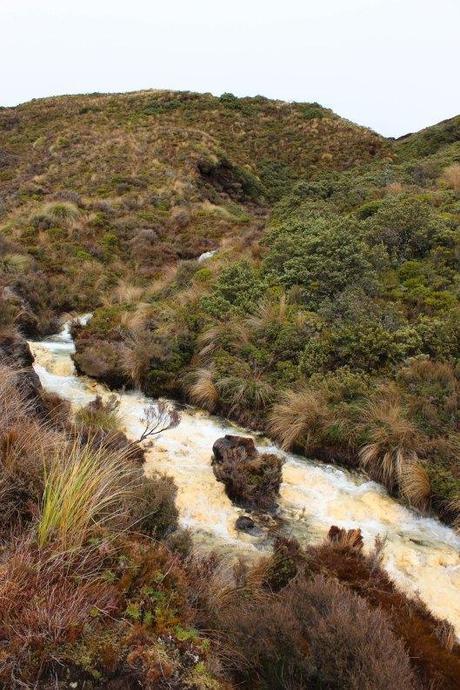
15	353
251	479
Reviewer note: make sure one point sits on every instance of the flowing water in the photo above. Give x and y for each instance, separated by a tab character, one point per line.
420	553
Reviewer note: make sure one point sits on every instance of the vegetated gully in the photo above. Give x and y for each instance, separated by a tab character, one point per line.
421	554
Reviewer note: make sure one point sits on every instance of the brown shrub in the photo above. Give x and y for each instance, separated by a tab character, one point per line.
349	644
102	360
411	621
153	507
42	606
312	633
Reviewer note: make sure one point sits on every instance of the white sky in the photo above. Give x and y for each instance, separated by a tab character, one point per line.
393	65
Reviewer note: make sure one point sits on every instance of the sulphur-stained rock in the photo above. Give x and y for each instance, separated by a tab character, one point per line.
251	479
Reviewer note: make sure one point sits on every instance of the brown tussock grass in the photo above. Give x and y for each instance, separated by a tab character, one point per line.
394	442
232	332
415	485
451	177
299	418
202	390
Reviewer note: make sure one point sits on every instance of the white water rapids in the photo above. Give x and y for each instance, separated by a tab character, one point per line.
421	554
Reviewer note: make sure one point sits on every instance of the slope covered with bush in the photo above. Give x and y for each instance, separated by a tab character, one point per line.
98	587
100	188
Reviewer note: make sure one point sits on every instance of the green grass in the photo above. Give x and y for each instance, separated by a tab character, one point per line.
85	488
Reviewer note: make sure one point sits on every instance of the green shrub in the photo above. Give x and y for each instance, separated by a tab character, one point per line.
321	256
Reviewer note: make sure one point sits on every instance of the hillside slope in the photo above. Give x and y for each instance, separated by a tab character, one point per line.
98	187
329	315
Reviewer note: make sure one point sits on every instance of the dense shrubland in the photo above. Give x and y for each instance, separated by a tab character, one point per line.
99	586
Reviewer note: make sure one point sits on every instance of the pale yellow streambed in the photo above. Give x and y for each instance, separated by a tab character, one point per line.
421	554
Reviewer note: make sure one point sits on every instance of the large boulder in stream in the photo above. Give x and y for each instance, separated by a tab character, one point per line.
245	524
251	479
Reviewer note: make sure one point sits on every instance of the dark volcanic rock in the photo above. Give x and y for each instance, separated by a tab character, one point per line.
15	353
245	524
234	448
251	479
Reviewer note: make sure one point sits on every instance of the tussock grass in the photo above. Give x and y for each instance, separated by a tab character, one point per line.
14	406
232	333
125	293
392	457
415	485
202	390
251	393
85	487
451	177
138	351
300	418
454	507
394	441
269	313
62	213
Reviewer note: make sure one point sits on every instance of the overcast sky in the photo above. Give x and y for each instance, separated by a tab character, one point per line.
392	65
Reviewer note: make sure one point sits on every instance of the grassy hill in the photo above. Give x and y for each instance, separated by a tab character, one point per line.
96	188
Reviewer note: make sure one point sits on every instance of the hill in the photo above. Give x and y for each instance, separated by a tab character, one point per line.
429	140
267	262
124	184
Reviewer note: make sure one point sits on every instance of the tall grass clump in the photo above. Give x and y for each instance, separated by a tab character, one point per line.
391	456
62	214
202	390
415	485
245	394
451	177
140	348
85	488
230	335
300	418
